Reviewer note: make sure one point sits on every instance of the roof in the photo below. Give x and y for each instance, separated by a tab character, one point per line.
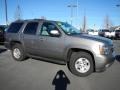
34	20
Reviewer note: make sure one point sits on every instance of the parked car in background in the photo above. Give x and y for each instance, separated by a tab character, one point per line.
117	34
106	33
112	34
101	32
2	30
92	32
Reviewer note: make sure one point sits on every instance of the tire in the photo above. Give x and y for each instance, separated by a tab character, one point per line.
18	52
81	64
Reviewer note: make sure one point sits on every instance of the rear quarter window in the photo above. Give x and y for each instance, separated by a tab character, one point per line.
14	27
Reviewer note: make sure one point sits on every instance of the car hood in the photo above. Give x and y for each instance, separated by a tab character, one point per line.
95	38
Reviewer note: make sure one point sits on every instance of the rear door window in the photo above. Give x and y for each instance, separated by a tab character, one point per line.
31	28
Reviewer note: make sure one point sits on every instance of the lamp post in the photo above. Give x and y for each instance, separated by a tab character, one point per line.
6	14
72	6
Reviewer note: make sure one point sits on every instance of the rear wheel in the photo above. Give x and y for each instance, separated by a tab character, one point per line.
81	64
18	52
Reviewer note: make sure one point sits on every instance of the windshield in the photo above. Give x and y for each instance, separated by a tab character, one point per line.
68	29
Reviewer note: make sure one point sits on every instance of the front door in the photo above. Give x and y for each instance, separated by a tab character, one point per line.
51	47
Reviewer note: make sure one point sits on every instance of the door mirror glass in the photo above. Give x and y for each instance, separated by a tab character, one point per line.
54	33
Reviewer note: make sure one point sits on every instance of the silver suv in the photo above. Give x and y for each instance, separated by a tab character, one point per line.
59	42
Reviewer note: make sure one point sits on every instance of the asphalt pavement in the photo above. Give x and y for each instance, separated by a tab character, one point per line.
39	75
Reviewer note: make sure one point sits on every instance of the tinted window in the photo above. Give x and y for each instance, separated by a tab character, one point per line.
31	28
105	30
14	27
117	30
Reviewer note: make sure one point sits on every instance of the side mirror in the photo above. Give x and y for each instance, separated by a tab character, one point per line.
55	33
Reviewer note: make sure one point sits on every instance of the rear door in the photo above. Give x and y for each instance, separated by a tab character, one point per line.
29	37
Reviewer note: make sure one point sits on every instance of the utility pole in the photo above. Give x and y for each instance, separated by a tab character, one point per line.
77	9
107	22
72	6
18	12
77	14
6	14
84	23
94	26
118	5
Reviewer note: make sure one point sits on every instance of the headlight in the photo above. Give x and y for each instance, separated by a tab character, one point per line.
104	50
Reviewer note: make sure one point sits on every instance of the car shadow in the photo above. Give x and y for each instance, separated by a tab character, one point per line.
2	50
118	58
60	81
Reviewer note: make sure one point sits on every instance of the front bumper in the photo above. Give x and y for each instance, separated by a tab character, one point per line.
104	61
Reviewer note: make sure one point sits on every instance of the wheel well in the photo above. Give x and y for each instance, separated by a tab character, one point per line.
78	50
12	43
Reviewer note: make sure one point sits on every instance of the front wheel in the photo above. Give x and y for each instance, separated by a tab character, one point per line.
81	64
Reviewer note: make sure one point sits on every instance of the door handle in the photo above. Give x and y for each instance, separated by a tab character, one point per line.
41	39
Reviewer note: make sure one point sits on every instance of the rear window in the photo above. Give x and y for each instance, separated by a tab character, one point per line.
14	27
